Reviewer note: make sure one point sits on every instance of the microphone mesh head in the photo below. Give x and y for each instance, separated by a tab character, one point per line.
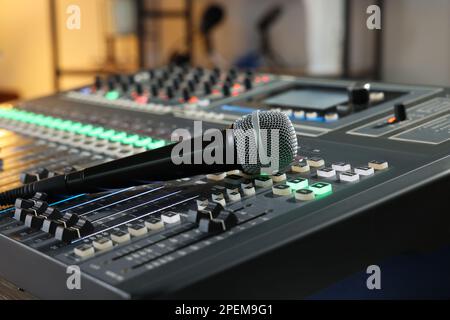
247	149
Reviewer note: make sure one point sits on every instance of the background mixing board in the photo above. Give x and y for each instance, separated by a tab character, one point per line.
366	151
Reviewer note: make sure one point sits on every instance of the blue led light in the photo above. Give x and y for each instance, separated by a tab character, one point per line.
237	109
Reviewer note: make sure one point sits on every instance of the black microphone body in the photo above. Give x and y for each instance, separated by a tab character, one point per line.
138	169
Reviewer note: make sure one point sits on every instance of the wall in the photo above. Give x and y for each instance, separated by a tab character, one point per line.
25	54
417	41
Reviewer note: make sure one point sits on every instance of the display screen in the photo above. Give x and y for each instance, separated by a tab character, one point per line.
315	99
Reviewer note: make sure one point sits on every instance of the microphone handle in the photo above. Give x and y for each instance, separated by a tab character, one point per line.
138	169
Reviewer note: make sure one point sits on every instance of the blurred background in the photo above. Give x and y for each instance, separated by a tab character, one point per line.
41	54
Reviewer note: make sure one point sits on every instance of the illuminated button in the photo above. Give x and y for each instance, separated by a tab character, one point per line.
312	115
315	162
304	195
296	184
119	236
170	217
378	165
84	251
263	182
300	167
281	190
364	171
299	114
332	116
249	191
321	188
326	173
137	230
279	177
220	200
216	176
341	166
154	224
141	143
102	244
234	196
349	177
112	95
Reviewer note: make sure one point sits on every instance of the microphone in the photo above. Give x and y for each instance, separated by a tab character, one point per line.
243	146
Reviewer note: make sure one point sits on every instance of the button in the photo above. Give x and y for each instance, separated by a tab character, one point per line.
234	180
279	177
232	190
378	164
246	183
223	222
321	188
119	236
249	191
281	190
315	162
263	182
300	167
312	115
34	221
170	217
216	194
23	203
154	224
304	195
102	244
220	200
137	230
234	196
331	116
326	173
349	176
216	176
202	203
296	184
84	251
341	166
364	171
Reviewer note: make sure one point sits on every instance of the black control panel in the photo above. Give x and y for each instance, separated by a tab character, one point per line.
361	145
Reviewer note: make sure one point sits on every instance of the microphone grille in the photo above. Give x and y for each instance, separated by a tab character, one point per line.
271	121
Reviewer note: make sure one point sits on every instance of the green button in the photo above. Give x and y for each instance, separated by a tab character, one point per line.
130	139
107	134
112	95
297	184
321	188
118	137
142	142
156	144
96	132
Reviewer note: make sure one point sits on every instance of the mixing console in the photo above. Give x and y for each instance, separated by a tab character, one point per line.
360	145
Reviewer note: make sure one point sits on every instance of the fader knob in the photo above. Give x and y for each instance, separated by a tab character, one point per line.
248	83
400	112
98	82
207	88
358	94
226	90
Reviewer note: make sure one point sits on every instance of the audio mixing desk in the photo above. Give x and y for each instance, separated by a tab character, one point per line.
370	180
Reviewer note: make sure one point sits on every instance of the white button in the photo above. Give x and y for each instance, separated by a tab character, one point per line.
170	217
102	244
378	165
281	190
326	173
234	196
279	177
220	200
120	236
202	203
137	230
84	251
349	177
304	195
364	171
234	172
312	115
263	182
315	162
301	167
154	224
216	176
249	191
341	166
